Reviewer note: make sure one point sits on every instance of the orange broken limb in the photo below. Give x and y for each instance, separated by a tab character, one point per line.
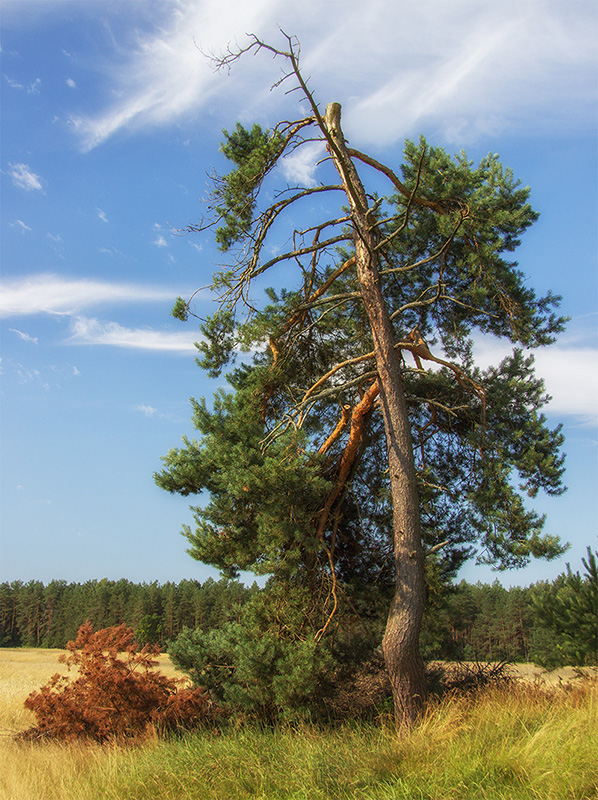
345	417
358	418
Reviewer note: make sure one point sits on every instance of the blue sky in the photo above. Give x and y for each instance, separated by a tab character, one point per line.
111	119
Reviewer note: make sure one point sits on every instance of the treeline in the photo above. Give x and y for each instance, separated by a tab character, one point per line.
549	623
34	615
486	622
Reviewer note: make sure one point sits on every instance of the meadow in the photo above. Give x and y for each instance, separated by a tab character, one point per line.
535	740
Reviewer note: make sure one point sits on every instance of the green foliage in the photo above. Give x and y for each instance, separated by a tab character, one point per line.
254	152
218	343
261	500
568	612
486	213
149	630
34	615
268	665
180	310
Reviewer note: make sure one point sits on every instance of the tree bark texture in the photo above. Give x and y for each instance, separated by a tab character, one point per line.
401	639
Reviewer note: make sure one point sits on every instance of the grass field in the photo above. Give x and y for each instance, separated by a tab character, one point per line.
533	742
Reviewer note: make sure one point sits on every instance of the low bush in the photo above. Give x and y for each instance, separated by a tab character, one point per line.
118	695
462	677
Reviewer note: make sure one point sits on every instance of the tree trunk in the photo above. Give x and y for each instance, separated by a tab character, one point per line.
401	639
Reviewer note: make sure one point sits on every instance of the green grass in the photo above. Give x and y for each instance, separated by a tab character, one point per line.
518	744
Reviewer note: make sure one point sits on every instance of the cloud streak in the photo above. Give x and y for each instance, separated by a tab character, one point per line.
24	336
89	331
52	294
463	66
23	177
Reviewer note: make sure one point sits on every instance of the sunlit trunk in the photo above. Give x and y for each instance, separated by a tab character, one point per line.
401	639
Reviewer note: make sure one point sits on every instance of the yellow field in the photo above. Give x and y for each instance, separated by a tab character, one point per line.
49	771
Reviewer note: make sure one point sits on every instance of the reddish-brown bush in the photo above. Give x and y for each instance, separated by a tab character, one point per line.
117	695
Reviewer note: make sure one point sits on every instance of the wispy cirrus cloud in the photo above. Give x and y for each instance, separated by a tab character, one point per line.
148	411
23	177
463	65
19	225
165	75
25	336
89	331
30	88
53	294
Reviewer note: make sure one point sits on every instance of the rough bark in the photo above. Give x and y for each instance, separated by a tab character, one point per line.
401	639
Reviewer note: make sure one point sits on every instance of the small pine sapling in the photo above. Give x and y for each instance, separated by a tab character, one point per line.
118	694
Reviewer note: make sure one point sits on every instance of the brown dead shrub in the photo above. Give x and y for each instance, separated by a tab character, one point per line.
118	694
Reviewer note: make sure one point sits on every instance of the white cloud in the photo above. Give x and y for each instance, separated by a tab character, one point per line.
25	336
160	241
90	331
52	294
102	215
164	74
31	88
463	65
18	223
24	178
300	166
71	83
148	411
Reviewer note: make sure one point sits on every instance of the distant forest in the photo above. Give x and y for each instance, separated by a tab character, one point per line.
480	622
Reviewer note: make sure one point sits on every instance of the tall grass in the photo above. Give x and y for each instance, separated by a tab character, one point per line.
501	745
49	771
520	743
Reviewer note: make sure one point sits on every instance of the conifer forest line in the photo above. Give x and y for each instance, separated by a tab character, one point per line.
473	622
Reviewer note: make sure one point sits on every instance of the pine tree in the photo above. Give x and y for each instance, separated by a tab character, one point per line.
567	610
363	440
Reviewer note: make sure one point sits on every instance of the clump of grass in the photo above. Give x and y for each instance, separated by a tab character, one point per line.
48	771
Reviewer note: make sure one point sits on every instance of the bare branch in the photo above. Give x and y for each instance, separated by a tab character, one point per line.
300	252
436	548
377	165
349	362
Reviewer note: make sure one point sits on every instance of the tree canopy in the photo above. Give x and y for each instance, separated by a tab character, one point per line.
361	446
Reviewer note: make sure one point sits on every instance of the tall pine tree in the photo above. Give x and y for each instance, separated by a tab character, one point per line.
363	440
